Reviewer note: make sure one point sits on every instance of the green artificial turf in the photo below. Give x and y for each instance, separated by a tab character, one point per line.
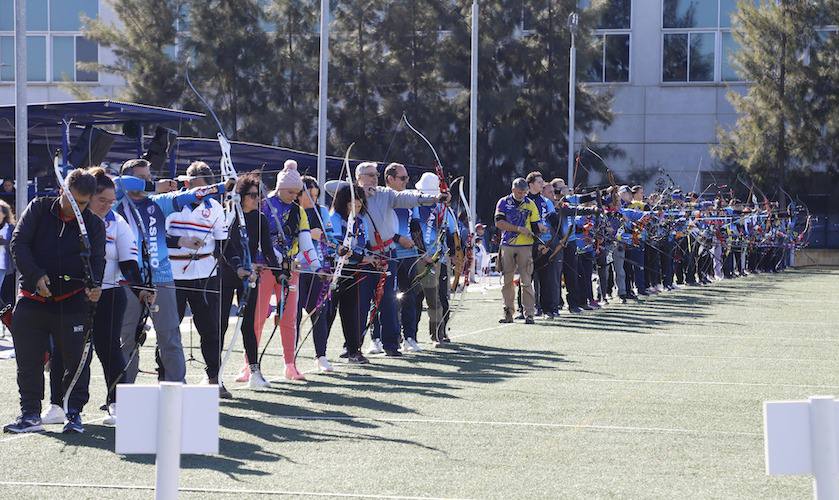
659	399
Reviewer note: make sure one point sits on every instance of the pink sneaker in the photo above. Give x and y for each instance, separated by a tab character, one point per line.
244	375
291	372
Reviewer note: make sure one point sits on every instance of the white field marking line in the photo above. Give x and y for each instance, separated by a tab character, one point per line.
188	489
453	376
697	382
701	336
620	428
476	332
27	434
656	334
700	356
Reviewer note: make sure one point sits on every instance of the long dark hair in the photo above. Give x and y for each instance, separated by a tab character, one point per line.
343	200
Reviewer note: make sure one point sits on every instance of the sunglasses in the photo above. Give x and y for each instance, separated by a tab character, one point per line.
402	178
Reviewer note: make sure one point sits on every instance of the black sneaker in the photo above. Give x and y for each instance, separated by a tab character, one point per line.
74	423
519	316
575	310
392	353
529	321
357	359
25	423
223	393
588	307
344	354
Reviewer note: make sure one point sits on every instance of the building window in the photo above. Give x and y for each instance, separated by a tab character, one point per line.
54	41
7	59
728	73
694	32
612	42
612	63
66	15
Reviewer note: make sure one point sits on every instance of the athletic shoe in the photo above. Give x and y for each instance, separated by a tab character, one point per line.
411	345
519	316
575	310
529	321
343	354
54	415
508	317
587	307
375	347
594	304
551	316
323	365
292	373
392	353
74	423
357	359
257	381
244	375
111	419
623	300
25	423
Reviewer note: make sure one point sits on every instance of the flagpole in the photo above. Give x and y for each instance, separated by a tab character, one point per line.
21	114
473	120
323	93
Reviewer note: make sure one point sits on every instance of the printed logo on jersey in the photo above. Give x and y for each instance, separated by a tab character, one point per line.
78	329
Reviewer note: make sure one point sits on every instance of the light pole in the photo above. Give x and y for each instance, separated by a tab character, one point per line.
323	96
573	25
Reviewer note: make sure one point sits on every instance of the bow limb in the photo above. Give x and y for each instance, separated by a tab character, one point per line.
88	278
346	244
228	171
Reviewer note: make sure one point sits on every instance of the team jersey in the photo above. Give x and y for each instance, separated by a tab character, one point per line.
120	246
518	213
153	211
207	222
290	231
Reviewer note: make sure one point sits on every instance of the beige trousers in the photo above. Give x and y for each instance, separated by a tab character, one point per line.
518	260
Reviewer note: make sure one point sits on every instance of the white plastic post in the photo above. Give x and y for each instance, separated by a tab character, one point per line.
823	447
168	463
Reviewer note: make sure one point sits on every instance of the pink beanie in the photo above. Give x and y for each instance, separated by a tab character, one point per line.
289	178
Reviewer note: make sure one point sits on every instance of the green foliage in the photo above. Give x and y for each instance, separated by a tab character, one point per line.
788	116
257	63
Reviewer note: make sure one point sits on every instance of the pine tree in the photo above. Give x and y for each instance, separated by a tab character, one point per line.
292	76
777	132
228	64
142	46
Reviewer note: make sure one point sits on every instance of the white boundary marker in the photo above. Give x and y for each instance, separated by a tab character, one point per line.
215	490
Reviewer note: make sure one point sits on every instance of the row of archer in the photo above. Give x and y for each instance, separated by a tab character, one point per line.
629	241
149	250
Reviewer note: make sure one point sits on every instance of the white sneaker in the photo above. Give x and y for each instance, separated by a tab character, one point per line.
375	347
411	345
257	381
322	364
111	419
54	415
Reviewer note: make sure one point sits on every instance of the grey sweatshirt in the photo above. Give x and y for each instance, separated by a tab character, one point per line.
383	200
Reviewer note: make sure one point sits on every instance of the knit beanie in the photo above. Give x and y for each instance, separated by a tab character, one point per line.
289	178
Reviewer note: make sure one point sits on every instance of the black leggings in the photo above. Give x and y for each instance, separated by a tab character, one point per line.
248	332
107	325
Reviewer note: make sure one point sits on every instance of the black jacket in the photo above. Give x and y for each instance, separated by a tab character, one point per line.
43	244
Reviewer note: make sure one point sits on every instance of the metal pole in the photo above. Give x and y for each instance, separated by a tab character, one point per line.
823	435
21	115
572	87
169	422
323	95
473	121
